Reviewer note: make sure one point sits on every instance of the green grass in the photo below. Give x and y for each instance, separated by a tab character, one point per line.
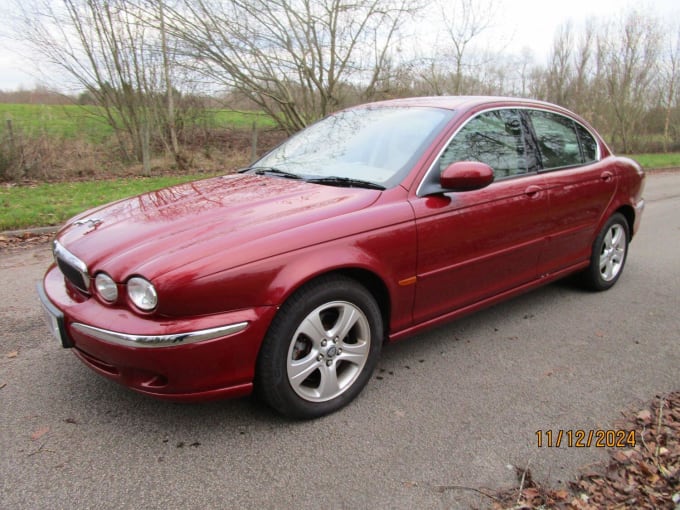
63	121
73	121
54	203
661	160
240	119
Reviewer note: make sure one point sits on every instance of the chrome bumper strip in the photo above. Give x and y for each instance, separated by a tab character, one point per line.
128	340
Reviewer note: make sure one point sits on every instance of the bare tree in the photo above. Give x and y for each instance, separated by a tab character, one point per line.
585	95
167	78
607	73
628	58
464	21
670	73
560	72
107	48
295	59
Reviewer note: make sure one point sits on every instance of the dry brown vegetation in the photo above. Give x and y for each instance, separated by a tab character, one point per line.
51	159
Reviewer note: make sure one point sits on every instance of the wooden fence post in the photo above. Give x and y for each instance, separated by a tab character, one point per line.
253	143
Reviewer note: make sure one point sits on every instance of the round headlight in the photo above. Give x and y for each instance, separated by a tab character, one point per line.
106	287
142	293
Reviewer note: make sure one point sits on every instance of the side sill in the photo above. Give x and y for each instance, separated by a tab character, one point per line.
479	305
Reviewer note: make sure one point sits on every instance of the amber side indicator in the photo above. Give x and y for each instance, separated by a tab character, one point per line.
408	281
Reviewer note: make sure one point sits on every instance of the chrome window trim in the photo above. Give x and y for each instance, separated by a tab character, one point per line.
424	180
153	341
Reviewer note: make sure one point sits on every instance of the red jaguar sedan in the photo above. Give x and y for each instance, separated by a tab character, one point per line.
372	224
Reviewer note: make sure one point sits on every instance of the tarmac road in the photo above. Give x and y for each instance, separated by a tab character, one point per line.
447	411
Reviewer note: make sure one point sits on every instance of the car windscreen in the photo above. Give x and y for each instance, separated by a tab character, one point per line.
377	145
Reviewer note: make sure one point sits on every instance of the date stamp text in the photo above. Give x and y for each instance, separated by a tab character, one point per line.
585	438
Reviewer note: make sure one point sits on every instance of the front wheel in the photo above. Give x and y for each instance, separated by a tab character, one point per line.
321	348
609	254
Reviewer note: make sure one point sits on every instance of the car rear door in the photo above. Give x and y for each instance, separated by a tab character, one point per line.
476	244
579	188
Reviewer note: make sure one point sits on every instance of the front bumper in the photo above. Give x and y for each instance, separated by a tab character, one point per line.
186	359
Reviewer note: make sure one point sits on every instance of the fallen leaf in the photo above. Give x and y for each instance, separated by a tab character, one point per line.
12	354
623	457
2	385
561	494
39	433
644	415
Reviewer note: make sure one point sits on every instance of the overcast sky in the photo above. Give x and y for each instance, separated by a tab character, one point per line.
522	23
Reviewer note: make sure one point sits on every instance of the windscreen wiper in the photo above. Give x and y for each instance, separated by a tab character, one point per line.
270	170
345	182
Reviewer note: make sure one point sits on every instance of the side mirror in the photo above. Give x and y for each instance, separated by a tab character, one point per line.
466	176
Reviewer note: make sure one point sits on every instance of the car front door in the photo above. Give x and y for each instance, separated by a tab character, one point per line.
473	245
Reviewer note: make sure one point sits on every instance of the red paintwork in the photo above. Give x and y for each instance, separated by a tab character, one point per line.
466	175
232	249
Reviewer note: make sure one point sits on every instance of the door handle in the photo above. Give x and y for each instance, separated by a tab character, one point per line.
533	191
606	176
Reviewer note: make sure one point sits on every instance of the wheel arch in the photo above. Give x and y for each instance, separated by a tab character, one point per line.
626	210
271	376
368	279
376	286
629	213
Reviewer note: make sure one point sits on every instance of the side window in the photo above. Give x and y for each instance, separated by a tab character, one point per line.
557	140
495	138
588	144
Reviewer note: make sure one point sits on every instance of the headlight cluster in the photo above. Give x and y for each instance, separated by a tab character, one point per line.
106	287
141	292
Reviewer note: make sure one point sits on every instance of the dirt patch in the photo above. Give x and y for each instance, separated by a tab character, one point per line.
23	240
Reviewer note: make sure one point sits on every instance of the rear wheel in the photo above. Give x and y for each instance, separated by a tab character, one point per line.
321	348
609	254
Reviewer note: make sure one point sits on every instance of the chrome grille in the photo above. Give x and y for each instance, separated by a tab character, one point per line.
74	269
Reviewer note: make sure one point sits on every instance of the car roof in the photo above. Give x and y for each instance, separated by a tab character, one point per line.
461	102
462	105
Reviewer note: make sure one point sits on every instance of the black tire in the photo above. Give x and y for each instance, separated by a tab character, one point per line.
610	251
306	370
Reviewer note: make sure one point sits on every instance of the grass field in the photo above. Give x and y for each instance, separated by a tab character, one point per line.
55	120
54	203
73	121
669	160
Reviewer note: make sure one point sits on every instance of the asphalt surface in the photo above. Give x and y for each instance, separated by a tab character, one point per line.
447	412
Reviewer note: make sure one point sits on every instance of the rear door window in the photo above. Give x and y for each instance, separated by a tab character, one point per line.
589	148
557	140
